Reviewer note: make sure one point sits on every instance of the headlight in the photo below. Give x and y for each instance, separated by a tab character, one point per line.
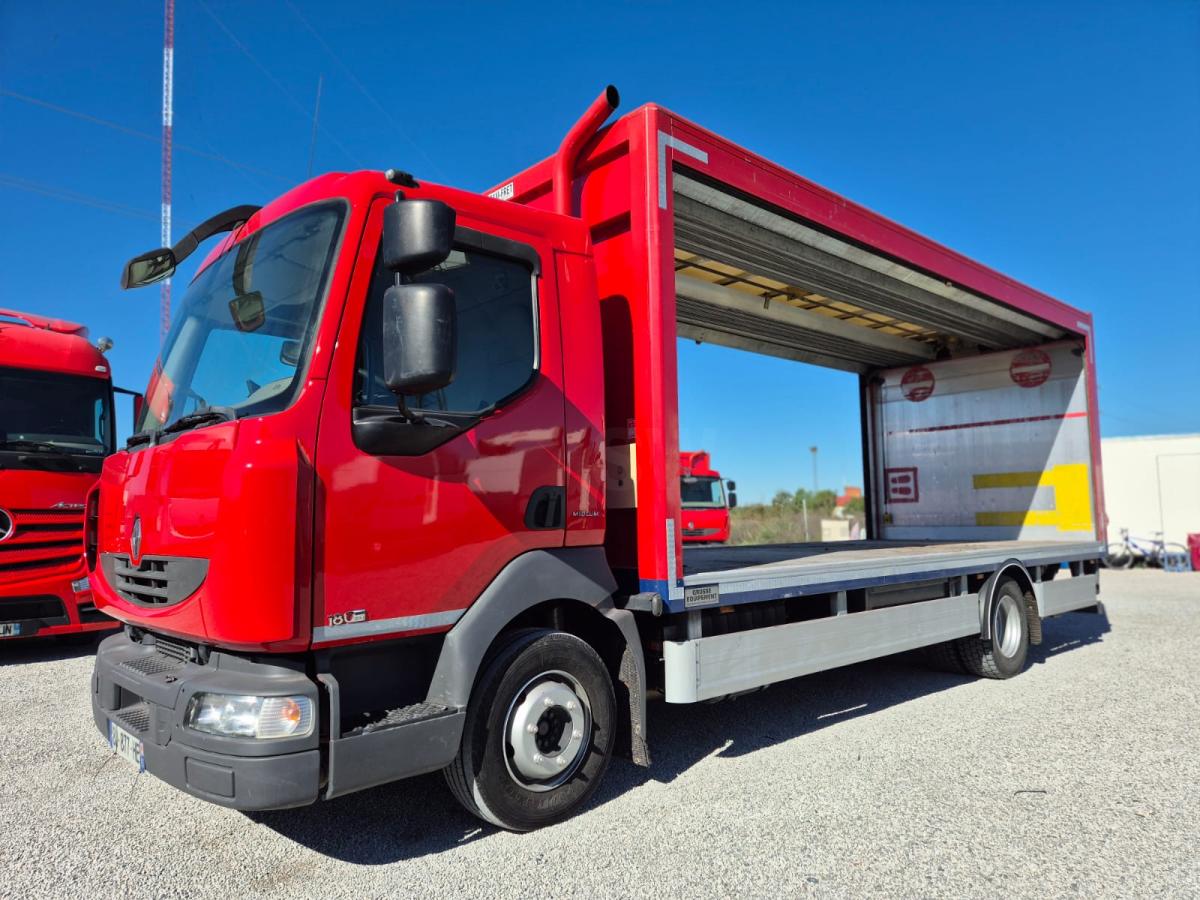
253	717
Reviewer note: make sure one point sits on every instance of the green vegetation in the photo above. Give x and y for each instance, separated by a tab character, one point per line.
782	520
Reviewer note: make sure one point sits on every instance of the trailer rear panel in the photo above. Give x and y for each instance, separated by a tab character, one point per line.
986	448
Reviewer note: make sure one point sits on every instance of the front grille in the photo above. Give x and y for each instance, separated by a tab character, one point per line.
176	650
49	609
145	584
43	541
157	580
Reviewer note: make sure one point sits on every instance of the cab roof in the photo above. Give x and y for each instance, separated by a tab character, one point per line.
30	341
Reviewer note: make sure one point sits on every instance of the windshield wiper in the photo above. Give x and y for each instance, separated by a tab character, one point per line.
456	418
23	444
203	416
41	447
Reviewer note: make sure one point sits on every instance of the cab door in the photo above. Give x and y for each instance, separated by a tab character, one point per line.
409	534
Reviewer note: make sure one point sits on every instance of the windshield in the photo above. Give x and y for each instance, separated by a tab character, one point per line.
697	492
72	413
241	334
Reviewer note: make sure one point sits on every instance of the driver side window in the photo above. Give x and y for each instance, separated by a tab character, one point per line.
497	335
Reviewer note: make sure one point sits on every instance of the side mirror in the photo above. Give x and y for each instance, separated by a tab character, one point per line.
417	235
138	403
731	485
420	338
149	268
732	500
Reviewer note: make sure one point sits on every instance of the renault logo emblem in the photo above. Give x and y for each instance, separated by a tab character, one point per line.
7	527
135	541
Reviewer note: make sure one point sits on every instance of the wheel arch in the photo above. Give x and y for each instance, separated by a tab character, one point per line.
1010	569
568	590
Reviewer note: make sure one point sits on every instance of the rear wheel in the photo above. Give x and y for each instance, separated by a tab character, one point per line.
539	732
944	657
1005	654
1119	556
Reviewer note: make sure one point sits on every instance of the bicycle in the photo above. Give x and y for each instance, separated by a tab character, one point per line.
1156	552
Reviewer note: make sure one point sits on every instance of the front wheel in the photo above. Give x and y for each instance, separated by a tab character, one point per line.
539	732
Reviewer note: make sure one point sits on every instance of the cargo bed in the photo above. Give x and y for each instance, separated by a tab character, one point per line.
768	572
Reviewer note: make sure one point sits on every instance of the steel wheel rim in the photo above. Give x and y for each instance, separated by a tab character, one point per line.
547	731
1009	625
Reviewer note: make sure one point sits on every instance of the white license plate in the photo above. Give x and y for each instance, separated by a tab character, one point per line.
10	629
126	745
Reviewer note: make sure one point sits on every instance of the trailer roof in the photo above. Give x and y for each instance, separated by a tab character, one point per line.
770	262
767	261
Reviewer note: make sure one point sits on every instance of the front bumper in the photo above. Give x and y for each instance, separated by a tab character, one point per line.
47	606
145	687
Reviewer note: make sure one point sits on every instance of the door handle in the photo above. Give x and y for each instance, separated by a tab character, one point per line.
547	508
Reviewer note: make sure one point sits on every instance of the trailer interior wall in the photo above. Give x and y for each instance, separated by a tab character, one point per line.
989	444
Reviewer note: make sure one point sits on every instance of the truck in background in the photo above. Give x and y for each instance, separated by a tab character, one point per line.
703	499
405	493
56	427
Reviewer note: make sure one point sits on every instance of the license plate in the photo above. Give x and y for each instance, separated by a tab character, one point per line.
10	629
126	746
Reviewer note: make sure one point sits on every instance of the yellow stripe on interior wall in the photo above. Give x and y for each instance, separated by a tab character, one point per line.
1072	497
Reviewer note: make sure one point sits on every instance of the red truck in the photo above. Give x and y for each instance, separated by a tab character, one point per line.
405	495
56	427
702	499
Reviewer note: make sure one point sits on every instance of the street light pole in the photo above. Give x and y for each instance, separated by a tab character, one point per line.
814	453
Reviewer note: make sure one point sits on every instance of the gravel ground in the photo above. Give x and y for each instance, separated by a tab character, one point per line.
1080	777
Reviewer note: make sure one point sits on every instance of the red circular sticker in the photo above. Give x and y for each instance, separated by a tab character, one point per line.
1030	368
917	384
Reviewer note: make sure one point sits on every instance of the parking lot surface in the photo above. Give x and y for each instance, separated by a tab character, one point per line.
1079	777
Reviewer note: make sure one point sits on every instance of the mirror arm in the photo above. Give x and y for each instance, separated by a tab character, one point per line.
221	222
415	416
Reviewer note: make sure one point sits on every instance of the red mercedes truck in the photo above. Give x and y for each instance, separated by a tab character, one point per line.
703	501
56	427
405	494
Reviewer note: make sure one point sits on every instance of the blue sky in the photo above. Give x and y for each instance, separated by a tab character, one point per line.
1055	142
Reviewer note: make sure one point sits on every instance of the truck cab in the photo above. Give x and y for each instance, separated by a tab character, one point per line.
56	427
703	499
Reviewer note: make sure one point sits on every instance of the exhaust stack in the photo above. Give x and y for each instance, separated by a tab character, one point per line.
568	151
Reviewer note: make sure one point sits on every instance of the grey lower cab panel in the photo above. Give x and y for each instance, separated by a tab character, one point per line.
389	754
704	668
1066	594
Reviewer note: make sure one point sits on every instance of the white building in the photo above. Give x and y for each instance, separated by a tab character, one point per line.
1152	484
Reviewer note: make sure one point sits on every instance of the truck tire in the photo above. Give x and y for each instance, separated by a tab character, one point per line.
1005	654
539	732
944	658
